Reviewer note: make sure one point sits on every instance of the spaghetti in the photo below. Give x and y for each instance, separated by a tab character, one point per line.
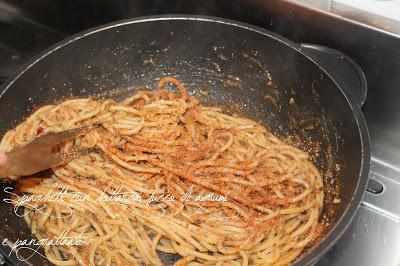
164	174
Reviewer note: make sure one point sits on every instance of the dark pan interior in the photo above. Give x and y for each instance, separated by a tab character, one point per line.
243	70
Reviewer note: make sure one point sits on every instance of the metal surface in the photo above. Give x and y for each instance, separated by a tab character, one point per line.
324	5
374	237
380	14
112	57
37	155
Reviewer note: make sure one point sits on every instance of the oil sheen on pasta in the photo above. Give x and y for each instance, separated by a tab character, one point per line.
160	143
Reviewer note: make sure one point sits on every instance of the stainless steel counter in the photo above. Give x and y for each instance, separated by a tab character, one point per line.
374	237
382	14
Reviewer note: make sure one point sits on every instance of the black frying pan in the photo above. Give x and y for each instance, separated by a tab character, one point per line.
243	67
